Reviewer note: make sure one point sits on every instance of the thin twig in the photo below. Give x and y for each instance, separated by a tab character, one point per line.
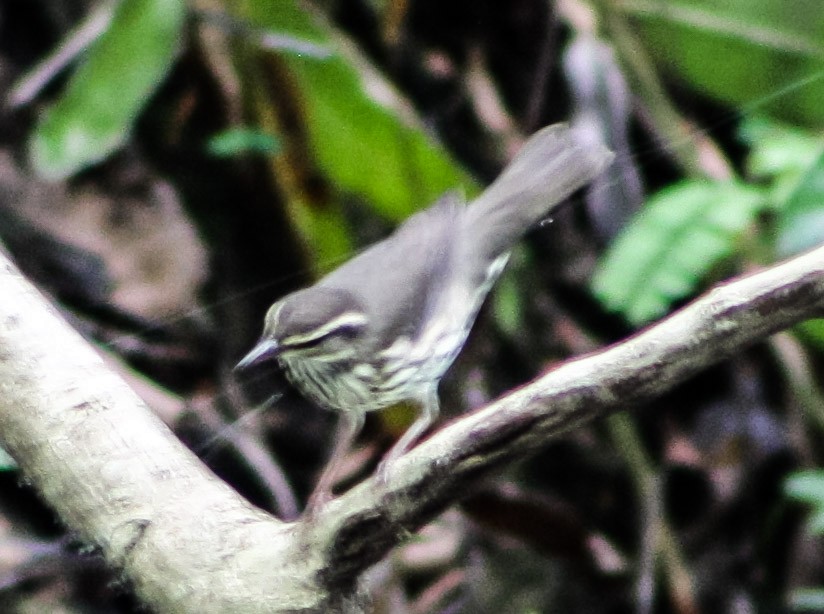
89	30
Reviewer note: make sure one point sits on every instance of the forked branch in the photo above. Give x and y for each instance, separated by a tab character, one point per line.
119	479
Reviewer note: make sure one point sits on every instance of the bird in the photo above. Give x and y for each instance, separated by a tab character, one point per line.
385	326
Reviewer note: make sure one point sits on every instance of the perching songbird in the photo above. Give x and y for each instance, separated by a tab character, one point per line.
385	326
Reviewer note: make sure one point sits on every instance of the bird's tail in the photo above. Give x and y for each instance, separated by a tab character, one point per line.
551	165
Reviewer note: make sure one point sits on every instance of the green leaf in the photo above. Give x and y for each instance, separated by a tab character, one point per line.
778	149
812	331
806	486
800	223
236	141
670	245
781	154
749	53
366	137
105	95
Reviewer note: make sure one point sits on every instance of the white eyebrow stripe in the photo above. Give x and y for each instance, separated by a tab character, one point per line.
275	317
349	318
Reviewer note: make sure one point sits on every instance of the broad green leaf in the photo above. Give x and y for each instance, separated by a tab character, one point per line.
781	154
801	220
671	244
750	53
94	115
778	149
366	137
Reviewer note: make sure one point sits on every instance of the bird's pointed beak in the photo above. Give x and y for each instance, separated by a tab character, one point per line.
266	349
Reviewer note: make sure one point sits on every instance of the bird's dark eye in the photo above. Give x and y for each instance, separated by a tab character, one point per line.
349	331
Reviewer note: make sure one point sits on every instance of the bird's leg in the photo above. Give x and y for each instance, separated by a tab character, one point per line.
429	413
350	424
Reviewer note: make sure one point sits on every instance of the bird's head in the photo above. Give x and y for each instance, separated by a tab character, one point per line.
318	322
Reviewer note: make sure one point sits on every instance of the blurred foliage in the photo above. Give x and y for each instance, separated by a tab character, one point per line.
747	53
239	141
104	97
801	218
363	135
663	253
807	487
779	152
683	231
790	161
807	599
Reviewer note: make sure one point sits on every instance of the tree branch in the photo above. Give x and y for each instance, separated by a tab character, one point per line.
189	543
